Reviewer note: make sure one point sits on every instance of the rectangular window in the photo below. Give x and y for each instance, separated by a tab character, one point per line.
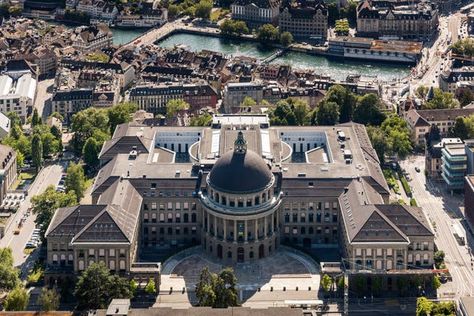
112	252
101	252
153	205
358	252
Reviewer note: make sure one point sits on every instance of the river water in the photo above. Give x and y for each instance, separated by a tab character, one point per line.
336	68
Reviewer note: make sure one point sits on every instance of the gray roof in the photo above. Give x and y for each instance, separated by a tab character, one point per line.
240	173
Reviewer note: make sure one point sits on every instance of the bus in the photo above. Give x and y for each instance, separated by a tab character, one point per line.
305	304
459	234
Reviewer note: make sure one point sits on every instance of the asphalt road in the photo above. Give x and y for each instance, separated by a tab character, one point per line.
49	175
443	210
43	98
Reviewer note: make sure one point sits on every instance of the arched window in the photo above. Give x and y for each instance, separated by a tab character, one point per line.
193	217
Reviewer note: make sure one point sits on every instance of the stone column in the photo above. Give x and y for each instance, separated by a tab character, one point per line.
265	227
256	229
273	222
208	223
235	230
215	225
224	224
245	230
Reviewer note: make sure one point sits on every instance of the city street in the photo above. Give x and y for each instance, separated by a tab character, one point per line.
49	175
443	210
43	98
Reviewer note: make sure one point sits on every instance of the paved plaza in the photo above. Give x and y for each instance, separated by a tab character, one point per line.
266	282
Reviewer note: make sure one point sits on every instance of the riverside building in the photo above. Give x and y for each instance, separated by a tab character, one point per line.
239	189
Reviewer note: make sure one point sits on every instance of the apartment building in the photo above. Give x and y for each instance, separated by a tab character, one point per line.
92	38
17	95
155	97
407	20
256	12
235	92
305	20
420	121
8	170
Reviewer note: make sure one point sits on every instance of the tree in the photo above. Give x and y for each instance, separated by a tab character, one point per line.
89	123
397	136
91	152
45	204
36	119
333	13
342	27
433	135
436	282
441	100
17	299
368	111
421	92
444	308
327	113
173	10
286	38
326	282
282	114
464	47
377	138
133	286
204	119
465	97
439	259
460	129
75	180
14	119
49	299
174	106
95	288
150	287
120	113
248	102
227	295
300	110
218	291
58	116
8	273
232	28
203	9
37	151
267	33
423	306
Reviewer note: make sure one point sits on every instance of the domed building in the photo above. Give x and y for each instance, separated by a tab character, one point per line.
239	203
237	189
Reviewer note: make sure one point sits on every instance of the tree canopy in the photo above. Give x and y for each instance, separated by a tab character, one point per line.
368	110
8	273
120	113
267	33
75	180
49	299
233	28
203	9
174	106
204	119
45	204
17	299
217	290
286	38
463	127
327	113
464	47
441	100
96	287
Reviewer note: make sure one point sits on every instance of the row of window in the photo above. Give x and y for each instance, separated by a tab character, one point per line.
170	206
311	217
311	205
101	252
154	217
309	230
169	230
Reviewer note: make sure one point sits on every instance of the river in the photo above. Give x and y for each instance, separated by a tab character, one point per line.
337	69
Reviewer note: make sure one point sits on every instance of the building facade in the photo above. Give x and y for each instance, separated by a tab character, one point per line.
397	19
17	95
239	189
454	166
256	12
235	92
8	171
72	101
155	97
305	20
